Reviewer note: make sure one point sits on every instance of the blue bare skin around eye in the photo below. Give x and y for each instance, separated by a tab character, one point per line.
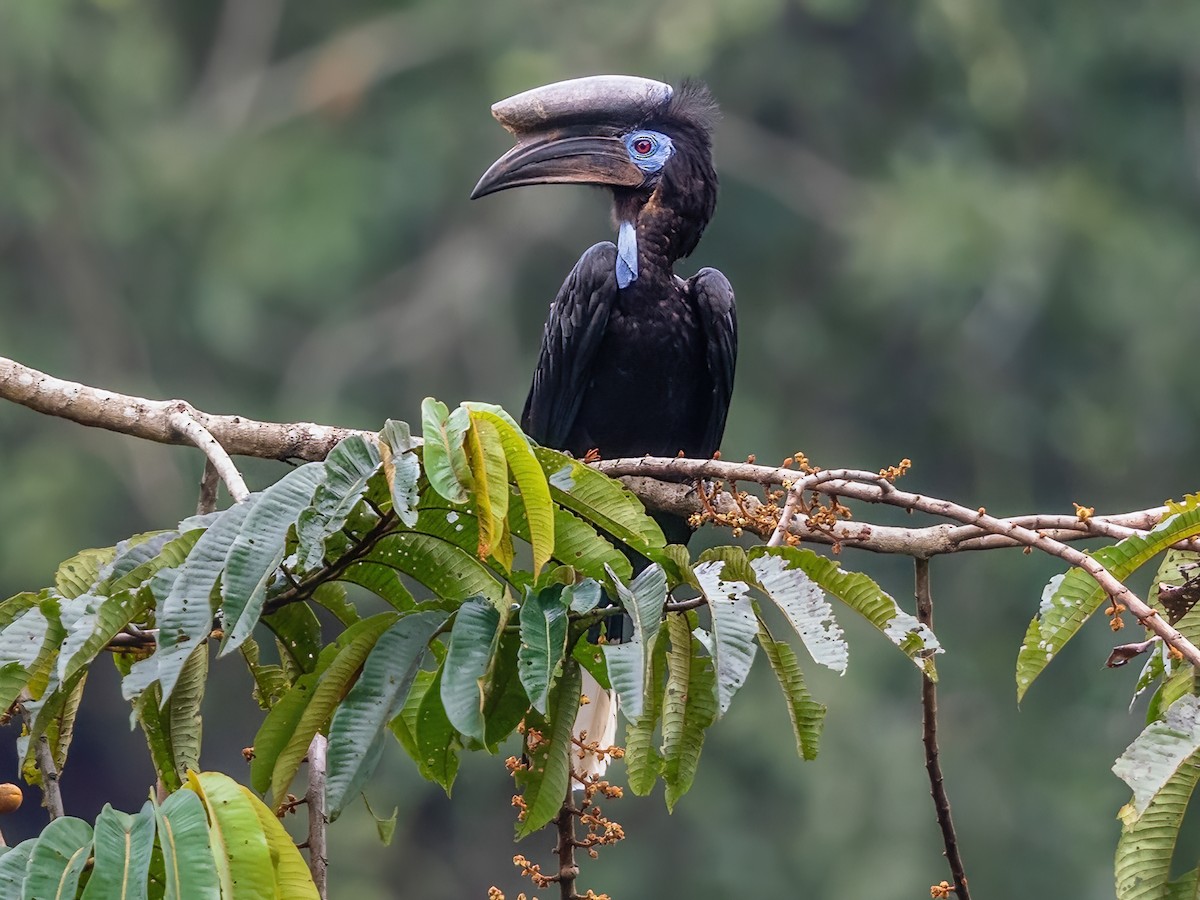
627	262
663	149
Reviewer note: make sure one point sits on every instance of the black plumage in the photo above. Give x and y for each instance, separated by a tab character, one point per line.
646	368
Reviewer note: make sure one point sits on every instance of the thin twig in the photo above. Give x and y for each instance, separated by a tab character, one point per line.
209	481
933	765
318	820
568	869
44	758
213	451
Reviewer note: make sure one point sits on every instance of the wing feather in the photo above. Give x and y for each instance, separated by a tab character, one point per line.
573	332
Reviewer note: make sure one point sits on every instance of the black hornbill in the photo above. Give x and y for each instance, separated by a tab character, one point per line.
634	359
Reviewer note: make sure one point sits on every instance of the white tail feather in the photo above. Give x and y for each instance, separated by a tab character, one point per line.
596	722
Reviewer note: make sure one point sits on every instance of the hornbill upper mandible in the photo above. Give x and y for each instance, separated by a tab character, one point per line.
634	359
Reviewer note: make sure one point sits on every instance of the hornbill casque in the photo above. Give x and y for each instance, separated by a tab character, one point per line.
635	360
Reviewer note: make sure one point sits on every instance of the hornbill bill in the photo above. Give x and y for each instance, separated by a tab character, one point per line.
635	360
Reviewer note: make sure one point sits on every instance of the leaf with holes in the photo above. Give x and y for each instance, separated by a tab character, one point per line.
185	617
1068	600
865	597
689	706
734	627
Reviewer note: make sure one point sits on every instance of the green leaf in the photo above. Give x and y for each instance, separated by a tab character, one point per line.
591	657
385	828
643	761
381	580
57	860
401	468
332	596
443	456
123	847
239	846
689	705
473	639
600	500
576	543
102	620
530	479
544	783
629	663
293	881
185	617
77	574
1155	755
583	597
53	716
734	627
803	603
861	594
190	870
504	702
374	700
1068	600
13	866
806	715
448	571
489	474
404	724
269	681
278	731
543	642
348	469
437	741
298	632
1163	774
332	686
184	722
258	549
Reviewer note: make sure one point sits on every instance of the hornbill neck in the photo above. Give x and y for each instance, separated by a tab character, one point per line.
669	220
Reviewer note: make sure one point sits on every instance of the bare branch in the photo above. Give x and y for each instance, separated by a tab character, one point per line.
151	419
215	453
318	819
933	764
568	869
44	757
209	481
874	488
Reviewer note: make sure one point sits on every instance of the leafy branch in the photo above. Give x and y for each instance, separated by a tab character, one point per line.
464	572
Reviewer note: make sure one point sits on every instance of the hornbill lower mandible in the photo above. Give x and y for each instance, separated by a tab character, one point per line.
634	359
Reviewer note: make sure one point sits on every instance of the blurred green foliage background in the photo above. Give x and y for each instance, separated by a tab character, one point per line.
960	230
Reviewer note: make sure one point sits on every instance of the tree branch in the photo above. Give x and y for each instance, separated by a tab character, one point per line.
871	487
318	819
44	757
213	451
568	869
151	419
933	765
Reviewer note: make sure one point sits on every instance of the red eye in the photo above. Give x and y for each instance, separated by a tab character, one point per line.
643	146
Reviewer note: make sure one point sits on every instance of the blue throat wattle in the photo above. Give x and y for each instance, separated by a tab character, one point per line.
627	263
